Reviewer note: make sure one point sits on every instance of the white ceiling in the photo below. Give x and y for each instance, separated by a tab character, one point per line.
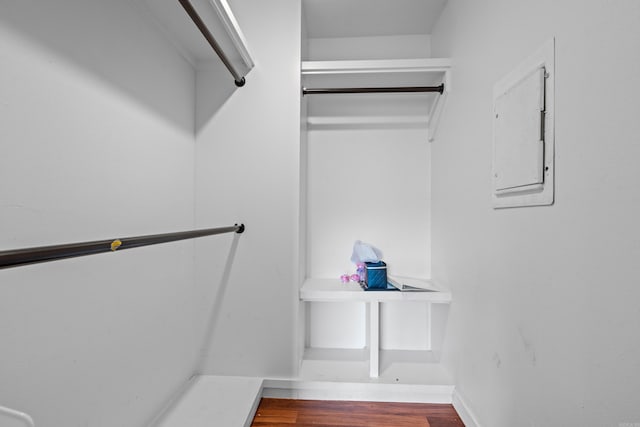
361	18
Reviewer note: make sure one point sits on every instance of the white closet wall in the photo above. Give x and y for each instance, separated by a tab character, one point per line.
371	47
96	131
544	326
247	169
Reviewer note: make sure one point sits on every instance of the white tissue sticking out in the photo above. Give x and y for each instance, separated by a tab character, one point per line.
363	252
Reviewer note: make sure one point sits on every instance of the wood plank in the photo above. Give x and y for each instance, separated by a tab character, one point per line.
277	416
354	414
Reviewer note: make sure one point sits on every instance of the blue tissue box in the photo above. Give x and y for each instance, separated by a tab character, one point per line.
376	275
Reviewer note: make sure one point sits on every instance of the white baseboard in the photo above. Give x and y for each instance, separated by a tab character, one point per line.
324	390
464	411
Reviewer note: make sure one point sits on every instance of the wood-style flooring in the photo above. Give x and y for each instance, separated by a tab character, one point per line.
289	412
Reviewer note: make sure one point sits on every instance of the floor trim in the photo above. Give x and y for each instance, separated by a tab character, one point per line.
325	390
464	411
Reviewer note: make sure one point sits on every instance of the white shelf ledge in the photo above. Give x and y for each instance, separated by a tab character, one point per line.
331	290
420	65
330	122
392	72
214	400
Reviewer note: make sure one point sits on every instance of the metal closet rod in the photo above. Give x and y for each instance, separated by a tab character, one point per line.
396	89
18	257
188	7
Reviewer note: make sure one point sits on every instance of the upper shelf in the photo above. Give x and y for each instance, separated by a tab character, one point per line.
376	66
217	17
388	109
396	72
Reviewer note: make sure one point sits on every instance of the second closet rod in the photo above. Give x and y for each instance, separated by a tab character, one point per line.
397	89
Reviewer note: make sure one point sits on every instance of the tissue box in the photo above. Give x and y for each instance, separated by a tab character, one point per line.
376	275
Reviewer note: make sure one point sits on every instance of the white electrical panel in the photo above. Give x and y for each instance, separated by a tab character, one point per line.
523	136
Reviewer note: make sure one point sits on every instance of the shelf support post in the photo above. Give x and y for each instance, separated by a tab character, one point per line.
429	326
374	339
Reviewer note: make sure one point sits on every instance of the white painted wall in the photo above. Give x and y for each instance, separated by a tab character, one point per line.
96	130
370	185
372	47
543	325
247	169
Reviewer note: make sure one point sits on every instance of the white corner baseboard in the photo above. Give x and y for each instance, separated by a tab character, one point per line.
372	392
464	411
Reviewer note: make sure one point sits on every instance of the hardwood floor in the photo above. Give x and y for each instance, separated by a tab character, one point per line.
289	412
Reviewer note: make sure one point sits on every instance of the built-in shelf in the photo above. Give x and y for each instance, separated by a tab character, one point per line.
378	66
328	290
348	364
372	121
379	110
344	374
185	35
